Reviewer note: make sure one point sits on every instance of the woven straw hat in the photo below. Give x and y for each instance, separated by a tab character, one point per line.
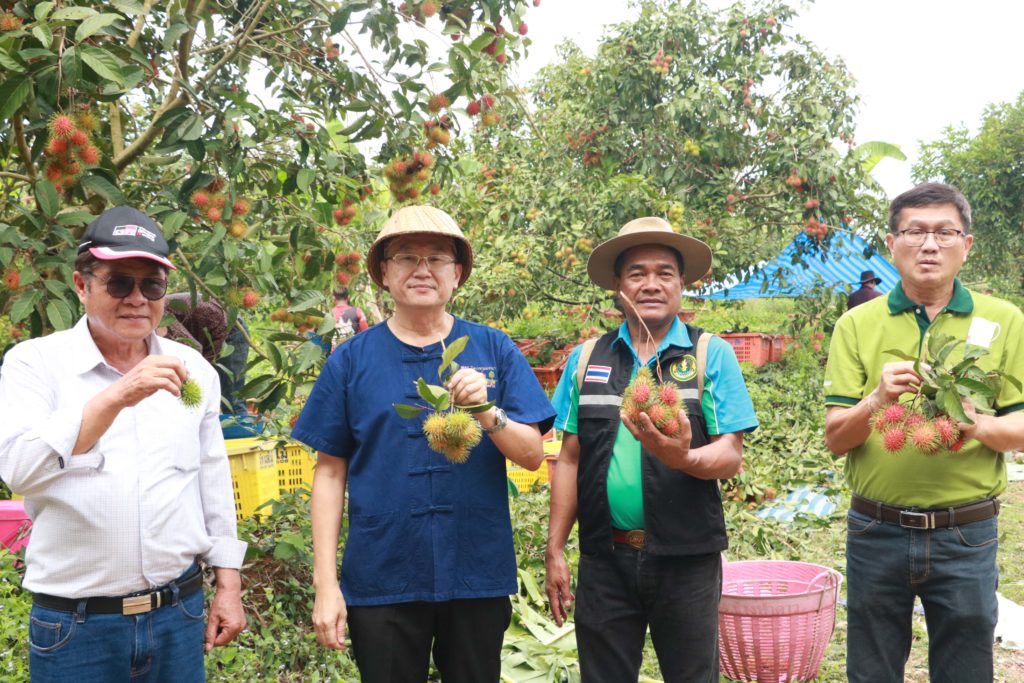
419	220
642	231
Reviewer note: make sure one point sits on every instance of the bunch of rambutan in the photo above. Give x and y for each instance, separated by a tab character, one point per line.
900	426
452	433
405	173
69	148
661	402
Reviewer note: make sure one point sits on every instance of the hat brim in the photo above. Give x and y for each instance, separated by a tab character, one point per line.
696	255
876	280
419	220
108	254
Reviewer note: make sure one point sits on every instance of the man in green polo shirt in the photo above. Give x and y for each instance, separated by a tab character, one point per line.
923	525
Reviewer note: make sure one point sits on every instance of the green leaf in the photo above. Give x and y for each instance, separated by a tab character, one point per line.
899	353
59	314
304	178
42	9
23	305
74	217
46	195
93	24
73	13
43	34
406	411
103	188
478	408
103	63
453	350
950	404
284	551
172	221
191	128
976	387
436	396
12	94
9	63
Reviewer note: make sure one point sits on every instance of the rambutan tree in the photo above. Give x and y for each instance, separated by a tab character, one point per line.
727	123
254	131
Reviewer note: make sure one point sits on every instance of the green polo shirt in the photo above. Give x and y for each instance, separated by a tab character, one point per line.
861	338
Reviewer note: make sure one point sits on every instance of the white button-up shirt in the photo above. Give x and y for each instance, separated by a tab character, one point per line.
133	512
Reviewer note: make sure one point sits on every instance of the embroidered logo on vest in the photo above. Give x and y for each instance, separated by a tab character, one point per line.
684	369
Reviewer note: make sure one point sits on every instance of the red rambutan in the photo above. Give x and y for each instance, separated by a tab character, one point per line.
893	439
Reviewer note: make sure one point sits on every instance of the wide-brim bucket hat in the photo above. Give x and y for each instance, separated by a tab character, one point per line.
419	220
643	231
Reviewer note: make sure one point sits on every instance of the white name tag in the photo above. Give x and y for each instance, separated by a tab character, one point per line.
982	332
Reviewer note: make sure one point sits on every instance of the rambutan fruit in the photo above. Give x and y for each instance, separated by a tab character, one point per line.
79	138
354	268
894	439
925	437
658	414
89	155
213	214
947	429
12	279
240	207
86	120
956	445
488	101
216	185
354	256
201	199
191	395
473	108
878	421
62	127
56	147
238	228
436	103
433	426
894	412
218	200
9	21
250	299
671	427
914	419
342	278
54	173
667	394
630	409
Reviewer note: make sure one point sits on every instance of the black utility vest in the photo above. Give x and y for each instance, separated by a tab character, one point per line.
682	514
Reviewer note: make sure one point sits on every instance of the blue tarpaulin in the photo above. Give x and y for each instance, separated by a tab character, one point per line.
786	276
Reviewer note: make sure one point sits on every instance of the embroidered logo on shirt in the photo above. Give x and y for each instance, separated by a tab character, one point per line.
684	369
598	374
488	372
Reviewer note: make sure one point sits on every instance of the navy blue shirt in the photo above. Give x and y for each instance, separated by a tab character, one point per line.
420	527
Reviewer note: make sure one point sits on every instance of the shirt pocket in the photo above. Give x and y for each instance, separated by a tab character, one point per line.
376	561
172	432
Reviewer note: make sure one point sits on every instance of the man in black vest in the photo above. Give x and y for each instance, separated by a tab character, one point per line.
650	515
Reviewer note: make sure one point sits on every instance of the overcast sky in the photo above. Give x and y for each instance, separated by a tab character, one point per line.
920	65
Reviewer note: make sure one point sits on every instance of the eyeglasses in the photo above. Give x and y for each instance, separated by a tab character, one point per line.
943	238
435	262
122	286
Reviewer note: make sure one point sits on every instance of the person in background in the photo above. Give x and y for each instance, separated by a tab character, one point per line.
867	290
128	487
923	525
651	524
429	561
347	315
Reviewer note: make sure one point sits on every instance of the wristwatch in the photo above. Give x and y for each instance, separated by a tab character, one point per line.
500	421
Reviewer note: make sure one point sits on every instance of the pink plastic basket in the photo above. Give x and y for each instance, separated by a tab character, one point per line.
775	619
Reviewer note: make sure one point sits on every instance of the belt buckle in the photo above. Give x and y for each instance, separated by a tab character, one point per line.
923	520
140	604
635	539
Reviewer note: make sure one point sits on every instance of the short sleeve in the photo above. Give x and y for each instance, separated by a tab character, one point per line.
566	398
1011	398
323	423
845	375
726	402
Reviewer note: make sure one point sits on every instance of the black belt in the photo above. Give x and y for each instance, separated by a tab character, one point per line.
938	518
135	603
634	539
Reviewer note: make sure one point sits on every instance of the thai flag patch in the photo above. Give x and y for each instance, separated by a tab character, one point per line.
598	373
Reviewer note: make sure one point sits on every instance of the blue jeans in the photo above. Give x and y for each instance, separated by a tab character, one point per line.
619	594
954	573
163	645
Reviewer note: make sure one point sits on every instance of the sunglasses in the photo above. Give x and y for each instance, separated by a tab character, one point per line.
122	286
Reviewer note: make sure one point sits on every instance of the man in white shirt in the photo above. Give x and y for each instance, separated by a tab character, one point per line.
128	488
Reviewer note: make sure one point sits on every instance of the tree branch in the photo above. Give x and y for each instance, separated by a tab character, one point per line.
23	150
15	176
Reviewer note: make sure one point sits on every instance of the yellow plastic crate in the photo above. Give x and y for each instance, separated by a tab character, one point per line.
295	465
253	473
523	479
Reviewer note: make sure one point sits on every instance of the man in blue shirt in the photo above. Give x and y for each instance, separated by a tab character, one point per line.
650	515
429	561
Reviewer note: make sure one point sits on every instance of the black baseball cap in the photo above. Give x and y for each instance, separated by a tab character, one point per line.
123	232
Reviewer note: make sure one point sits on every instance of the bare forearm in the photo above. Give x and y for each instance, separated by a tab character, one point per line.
520	443
564	500
327	505
719	459
1001	434
847	428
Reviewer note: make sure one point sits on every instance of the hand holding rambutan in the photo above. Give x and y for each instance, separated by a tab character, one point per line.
191	395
